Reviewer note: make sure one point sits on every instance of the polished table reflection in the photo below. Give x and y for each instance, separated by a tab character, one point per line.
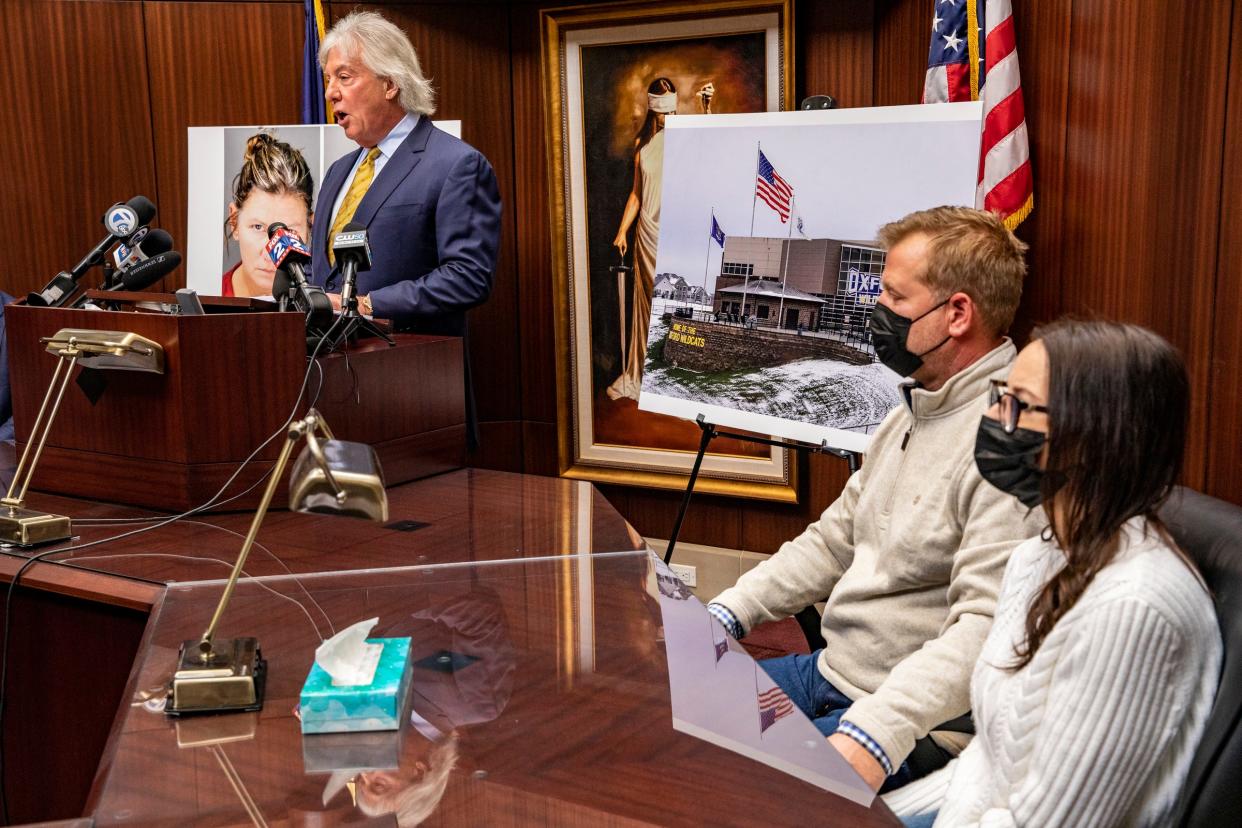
541	631
541	692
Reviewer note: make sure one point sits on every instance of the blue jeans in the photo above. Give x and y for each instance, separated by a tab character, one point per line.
920	820
814	695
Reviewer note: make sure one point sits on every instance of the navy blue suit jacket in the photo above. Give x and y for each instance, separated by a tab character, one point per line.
433	223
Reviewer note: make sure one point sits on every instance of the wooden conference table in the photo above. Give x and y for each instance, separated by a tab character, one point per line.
562	676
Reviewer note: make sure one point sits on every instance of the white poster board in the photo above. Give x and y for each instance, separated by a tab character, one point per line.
215	155
850	171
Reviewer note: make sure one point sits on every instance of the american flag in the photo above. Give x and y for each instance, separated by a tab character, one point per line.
773	189
774	705
974	55
948	61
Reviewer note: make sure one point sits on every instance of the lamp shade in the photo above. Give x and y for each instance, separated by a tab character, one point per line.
355	470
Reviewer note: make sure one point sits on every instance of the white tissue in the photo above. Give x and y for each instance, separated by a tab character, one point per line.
347	656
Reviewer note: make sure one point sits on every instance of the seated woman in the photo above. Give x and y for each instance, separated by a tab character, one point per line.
274	184
1096	680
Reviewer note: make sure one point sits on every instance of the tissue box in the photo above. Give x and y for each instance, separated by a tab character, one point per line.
326	708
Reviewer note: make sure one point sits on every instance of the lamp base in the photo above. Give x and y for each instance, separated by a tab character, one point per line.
26	527
231	680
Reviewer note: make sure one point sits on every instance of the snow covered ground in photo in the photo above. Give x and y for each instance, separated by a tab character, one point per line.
820	392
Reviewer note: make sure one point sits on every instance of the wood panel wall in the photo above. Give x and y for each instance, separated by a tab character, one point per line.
1136	165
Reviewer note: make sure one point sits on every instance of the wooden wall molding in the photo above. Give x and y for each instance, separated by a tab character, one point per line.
1136	163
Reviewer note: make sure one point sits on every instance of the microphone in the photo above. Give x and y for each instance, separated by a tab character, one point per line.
353	254
141	246
282	285
142	275
149	271
351	250
287	250
123	221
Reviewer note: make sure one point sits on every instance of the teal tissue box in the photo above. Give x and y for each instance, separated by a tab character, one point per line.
375	706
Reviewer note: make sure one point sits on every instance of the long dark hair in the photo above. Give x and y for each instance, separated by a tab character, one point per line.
1118	405
659	86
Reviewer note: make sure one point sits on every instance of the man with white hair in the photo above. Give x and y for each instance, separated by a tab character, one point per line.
429	201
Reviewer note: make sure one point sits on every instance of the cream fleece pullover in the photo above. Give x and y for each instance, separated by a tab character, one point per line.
910	558
1100	728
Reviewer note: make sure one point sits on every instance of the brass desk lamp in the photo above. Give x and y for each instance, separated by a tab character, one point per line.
107	350
332	477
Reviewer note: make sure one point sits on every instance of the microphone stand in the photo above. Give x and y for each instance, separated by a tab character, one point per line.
352	322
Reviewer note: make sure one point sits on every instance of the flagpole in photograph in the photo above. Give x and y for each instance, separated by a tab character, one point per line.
780	314
758	703
754	198
711	234
717	234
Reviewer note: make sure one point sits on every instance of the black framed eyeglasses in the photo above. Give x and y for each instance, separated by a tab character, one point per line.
1010	406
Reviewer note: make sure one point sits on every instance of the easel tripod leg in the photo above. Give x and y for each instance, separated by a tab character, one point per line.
708	433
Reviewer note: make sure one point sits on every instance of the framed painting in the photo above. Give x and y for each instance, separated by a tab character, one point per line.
613	74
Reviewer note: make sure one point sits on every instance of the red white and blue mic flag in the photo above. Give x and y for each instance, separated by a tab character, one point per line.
974	56
774	190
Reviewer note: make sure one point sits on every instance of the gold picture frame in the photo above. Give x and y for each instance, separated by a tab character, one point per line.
600	65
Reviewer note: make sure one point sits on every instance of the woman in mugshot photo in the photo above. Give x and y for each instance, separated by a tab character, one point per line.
273	185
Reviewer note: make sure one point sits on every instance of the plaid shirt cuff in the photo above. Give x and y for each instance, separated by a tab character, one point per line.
727	620
859	735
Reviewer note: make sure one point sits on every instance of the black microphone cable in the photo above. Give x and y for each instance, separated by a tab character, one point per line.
313	361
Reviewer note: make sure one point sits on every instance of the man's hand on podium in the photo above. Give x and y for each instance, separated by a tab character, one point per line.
364	304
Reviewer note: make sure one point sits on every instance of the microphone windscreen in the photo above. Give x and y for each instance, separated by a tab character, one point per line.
156	242
275	226
281	283
144	208
146	273
354	227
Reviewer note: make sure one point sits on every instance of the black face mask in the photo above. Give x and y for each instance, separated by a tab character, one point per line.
1010	462
889	332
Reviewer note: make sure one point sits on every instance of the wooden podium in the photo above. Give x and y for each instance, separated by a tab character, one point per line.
231	379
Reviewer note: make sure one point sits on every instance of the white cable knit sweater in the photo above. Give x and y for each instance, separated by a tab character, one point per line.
1100	727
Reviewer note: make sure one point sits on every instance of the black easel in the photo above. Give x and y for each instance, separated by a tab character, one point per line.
710	433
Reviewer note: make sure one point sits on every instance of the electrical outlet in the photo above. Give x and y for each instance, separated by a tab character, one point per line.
685	574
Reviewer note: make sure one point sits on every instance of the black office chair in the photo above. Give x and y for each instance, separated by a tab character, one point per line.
1210	531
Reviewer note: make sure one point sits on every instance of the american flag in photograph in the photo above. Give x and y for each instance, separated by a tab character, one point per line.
773	189
774	705
974	56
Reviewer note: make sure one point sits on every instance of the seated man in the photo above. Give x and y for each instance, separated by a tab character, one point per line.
910	556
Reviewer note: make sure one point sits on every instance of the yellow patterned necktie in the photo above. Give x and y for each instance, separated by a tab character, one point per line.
357	189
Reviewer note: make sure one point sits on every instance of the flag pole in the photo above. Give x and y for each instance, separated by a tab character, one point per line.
780	314
758	707
754	197
708	258
754	185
